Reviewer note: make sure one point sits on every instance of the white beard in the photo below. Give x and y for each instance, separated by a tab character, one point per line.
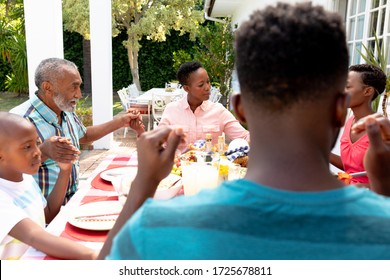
61	103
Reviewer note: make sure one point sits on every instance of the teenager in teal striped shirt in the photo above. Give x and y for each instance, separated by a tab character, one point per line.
292	65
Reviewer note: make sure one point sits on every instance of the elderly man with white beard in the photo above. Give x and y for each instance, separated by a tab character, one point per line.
52	111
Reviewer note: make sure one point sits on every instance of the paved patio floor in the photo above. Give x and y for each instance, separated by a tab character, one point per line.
90	159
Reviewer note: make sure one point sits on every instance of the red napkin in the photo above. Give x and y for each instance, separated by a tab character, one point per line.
180	192
75	233
99	183
50	258
121	159
90	198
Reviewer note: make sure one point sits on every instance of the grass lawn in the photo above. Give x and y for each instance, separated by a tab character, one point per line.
10	100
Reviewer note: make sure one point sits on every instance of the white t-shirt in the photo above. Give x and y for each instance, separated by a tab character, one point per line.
18	200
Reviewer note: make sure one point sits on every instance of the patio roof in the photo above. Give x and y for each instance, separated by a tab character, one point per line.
221	8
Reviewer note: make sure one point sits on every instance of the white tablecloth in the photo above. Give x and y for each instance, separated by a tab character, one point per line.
57	226
148	95
146	98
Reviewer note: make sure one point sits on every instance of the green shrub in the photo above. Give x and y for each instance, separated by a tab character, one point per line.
156	59
5	68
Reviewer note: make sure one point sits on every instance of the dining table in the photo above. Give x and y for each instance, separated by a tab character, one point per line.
90	190
147	96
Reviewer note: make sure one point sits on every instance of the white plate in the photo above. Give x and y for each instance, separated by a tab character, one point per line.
94	209
110	174
168	181
168	187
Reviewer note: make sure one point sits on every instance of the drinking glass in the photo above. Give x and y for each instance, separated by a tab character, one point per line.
122	186
200	170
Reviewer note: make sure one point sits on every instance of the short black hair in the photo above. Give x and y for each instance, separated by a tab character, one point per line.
371	76
289	53
185	71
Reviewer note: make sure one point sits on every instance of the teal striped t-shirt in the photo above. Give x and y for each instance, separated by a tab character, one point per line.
243	220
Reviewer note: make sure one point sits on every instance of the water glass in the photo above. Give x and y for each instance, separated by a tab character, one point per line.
122	186
200	170
234	171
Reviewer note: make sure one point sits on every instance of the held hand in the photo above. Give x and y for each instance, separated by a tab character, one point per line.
133	119
377	158
60	150
154	164
156	152
137	125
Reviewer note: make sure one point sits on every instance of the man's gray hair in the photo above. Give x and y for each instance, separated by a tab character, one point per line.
51	69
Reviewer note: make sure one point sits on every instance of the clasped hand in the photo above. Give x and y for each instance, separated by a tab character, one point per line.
156	152
59	149
133	119
377	158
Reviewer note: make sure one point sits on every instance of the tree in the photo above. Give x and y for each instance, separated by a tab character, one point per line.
217	54
13	45
215	51
153	19
75	15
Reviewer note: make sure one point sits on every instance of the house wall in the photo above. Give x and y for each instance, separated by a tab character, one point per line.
248	6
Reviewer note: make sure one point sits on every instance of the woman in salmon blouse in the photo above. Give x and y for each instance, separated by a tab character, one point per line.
195	113
365	83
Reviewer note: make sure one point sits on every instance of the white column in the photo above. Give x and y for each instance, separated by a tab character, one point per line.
43	34
101	66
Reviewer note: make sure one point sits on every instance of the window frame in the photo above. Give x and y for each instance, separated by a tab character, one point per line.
367	31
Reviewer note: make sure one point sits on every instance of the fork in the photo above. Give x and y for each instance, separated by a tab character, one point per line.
99	217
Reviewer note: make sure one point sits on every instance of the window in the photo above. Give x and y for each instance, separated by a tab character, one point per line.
364	19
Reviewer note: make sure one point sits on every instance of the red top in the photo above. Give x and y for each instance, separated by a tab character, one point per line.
352	154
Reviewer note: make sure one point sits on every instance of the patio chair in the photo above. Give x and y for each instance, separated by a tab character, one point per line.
174	85
133	91
124	98
159	102
143	108
215	94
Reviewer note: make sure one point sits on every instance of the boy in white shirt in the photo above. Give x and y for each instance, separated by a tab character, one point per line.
23	209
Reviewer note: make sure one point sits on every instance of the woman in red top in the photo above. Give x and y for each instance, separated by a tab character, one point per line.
365	83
